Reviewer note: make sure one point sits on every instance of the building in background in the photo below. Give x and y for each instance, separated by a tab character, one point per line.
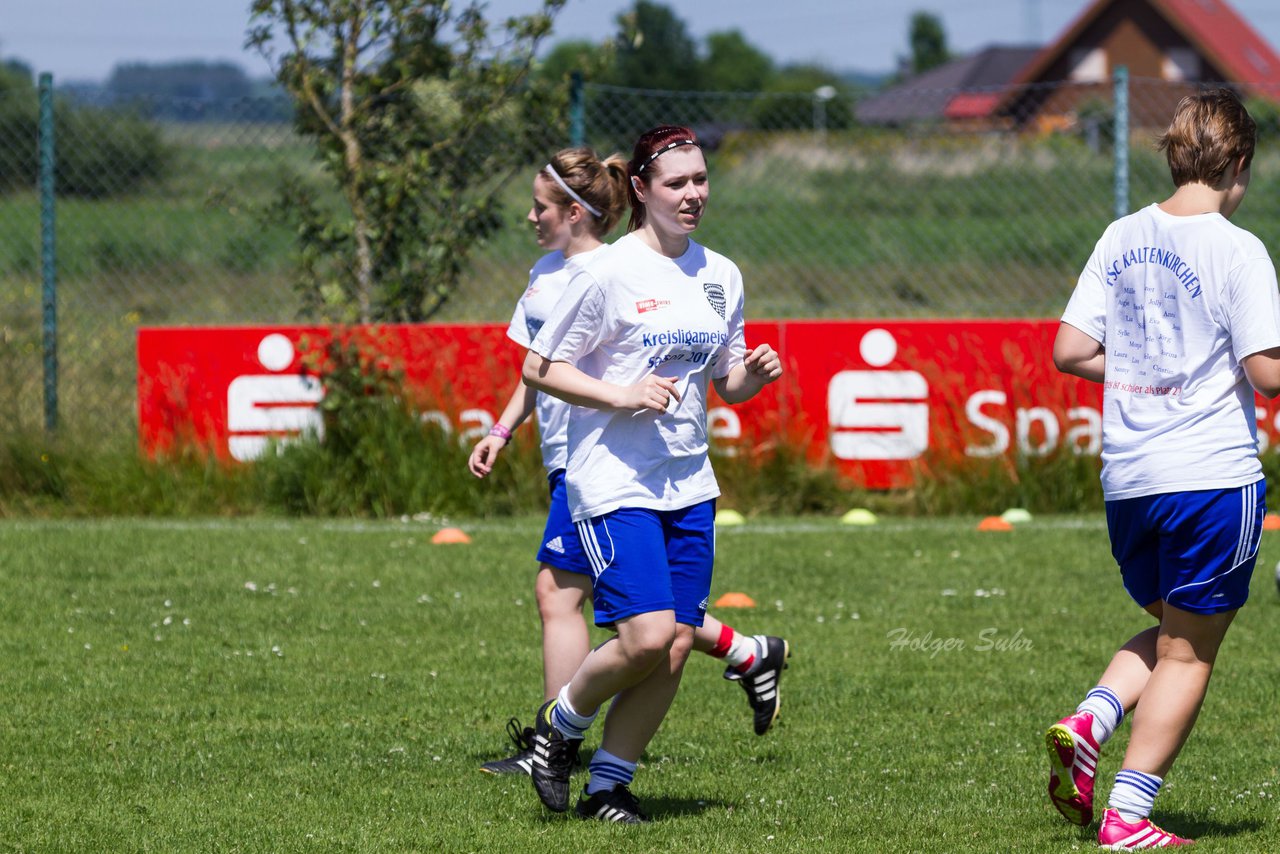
1171	47
960	92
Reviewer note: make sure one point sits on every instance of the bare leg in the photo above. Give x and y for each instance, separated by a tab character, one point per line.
706	636
565	640
1186	649
642	643
637	712
1131	667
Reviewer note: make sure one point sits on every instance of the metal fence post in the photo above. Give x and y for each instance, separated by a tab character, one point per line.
1121	141
577	111
48	257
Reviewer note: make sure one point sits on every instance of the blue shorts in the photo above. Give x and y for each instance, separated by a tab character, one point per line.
651	560
1194	550
561	547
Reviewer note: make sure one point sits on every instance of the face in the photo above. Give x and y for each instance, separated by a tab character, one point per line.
550	221
675	195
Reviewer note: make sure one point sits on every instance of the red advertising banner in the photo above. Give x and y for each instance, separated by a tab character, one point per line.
882	400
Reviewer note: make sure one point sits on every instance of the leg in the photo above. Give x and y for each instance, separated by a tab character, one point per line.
642	643
1186	650
707	636
1074	743
565	639
637	712
1131	667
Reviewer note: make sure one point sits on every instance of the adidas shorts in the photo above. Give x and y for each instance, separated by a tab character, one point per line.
1194	550
561	547
651	560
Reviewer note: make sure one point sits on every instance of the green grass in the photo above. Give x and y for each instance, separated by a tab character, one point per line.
263	685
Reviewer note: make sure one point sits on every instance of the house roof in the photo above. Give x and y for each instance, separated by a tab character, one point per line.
936	93
1212	27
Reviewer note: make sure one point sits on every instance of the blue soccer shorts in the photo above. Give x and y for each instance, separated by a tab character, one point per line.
561	547
646	560
1193	550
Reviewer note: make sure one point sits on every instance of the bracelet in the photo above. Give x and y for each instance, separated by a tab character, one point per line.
501	432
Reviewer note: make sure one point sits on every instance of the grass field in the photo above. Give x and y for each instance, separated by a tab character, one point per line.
276	686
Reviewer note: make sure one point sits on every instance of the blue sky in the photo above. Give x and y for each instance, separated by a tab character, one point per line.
84	39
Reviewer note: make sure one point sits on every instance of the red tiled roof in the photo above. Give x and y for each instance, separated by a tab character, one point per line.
1211	26
1227	38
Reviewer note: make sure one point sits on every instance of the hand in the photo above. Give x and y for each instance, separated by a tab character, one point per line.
485	454
652	392
763	364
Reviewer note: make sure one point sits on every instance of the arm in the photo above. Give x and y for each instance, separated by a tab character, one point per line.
1079	354
518	408
1263	371
761	367
566	382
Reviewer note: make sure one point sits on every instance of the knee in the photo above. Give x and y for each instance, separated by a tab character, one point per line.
557	601
682	644
650	642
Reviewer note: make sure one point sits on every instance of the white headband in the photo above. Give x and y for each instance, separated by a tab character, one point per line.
595	213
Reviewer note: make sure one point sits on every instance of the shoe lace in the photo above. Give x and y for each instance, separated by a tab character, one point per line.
624	799
561	751
522	736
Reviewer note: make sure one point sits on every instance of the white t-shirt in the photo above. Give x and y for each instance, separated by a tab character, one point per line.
1177	301
547	283
631	313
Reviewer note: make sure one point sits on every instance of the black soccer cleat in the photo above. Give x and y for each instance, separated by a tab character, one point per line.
763	684
616	805
522	761
554	757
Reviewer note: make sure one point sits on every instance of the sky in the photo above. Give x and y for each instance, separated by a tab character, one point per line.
82	40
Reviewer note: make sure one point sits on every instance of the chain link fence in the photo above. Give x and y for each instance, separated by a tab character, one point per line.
974	203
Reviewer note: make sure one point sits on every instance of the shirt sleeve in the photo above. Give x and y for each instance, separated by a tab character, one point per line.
1252	307
518	331
1087	308
578	323
736	345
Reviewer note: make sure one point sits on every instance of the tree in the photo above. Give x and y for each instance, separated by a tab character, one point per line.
589	59
421	116
734	65
788	102
654	50
928	42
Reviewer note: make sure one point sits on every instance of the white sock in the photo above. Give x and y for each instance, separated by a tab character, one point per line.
1107	712
1134	794
567	719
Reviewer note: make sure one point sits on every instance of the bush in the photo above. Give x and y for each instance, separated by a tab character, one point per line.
99	153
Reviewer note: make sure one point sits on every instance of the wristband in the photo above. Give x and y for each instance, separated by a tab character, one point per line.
501	432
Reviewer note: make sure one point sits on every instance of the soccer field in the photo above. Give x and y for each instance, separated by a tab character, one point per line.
275	686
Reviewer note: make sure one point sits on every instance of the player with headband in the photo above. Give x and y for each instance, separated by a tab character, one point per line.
577	200
634	343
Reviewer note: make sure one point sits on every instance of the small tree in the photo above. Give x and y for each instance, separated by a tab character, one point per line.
928	42
421	116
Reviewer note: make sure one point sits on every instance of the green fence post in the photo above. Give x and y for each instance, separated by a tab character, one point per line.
1121	142
48	257
577	111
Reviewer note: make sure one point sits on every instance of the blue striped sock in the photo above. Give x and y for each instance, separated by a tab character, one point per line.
566	719
608	771
1134	794
1106	709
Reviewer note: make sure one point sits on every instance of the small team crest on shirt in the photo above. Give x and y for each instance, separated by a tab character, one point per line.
715	296
644	305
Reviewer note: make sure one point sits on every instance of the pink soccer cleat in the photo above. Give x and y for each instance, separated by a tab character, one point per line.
1073	760
1116	834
